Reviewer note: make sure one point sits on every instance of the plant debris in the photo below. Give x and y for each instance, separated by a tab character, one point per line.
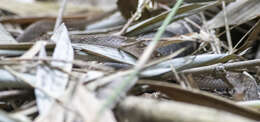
129	60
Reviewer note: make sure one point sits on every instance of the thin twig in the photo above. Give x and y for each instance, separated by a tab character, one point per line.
247	33
61	12
251	38
227	66
230	45
178	78
131	20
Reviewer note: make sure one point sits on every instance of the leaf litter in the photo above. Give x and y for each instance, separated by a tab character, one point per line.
129	60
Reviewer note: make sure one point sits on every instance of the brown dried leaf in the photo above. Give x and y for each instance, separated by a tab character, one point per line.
134	109
200	98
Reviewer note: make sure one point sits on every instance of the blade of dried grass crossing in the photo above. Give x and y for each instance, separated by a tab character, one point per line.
61	12
228	34
132	77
